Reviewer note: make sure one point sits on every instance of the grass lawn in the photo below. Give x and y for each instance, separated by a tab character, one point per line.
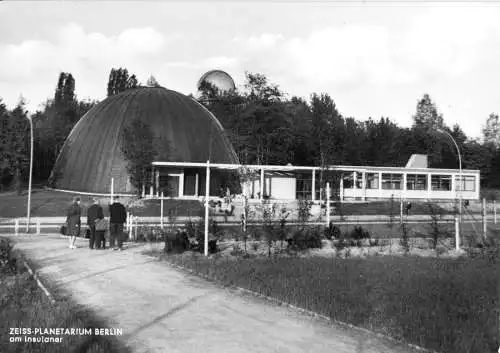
48	203
445	305
24	305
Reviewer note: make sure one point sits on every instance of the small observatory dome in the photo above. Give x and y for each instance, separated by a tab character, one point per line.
218	78
92	155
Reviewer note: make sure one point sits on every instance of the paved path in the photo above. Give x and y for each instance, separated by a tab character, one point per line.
161	309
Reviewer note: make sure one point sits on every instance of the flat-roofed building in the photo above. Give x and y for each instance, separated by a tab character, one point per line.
414	181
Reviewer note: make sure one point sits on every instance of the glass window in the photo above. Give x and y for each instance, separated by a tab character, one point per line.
441	182
468	183
372	181
416	182
392	181
348	178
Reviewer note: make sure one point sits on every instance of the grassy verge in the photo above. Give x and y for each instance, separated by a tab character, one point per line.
24	305
445	305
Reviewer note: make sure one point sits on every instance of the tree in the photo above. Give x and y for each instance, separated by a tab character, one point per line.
5	136
120	81
139	148
491	131
427	115
132	82
264	129
54	122
425	137
152	82
299	119
18	143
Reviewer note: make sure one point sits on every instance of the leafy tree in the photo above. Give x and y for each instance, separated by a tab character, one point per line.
5	136
152	82
139	148
427	115
491	131
132	82
120	81
299	118
18	143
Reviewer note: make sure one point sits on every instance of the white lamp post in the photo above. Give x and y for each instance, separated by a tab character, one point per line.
460	171
30	178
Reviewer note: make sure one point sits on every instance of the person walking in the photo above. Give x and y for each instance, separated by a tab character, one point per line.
73	221
94	213
117	216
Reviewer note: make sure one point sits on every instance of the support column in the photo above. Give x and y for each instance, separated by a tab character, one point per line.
485	220
494	212
161	210
151	187
403	193
478	184
328	204
181	185
429	186
363	184
454	186
342	188
313	186
379	186
196	185
157	182
207	195
261	183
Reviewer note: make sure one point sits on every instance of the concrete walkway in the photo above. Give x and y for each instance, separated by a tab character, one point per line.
161	309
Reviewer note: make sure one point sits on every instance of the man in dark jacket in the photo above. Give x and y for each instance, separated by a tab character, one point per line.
94	213
73	222
117	216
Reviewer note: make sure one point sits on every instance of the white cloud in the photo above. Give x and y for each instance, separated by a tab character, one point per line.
88	56
219	62
262	42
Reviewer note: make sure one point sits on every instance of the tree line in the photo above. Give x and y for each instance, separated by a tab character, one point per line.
265	126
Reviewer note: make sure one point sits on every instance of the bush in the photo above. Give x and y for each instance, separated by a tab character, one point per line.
358	233
340	244
7	261
177	242
303	239
332	232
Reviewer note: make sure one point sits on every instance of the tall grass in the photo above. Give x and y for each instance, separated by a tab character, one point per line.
445	305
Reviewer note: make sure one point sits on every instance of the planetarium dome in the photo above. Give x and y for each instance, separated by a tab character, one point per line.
219	79
92	155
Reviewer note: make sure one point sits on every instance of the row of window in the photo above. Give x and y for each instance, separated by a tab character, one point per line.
413	182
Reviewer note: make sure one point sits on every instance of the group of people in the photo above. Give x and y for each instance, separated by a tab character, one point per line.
97	224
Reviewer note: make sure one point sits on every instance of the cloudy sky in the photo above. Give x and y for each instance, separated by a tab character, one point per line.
374	59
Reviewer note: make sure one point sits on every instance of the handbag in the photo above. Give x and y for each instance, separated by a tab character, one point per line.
101	225
64	229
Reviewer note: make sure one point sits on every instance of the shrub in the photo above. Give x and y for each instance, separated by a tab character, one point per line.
404	240
7	261
303	239
359	233
304	211
332	232
177	242
340	244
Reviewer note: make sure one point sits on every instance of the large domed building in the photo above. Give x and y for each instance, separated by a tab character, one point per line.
218	79
187	132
